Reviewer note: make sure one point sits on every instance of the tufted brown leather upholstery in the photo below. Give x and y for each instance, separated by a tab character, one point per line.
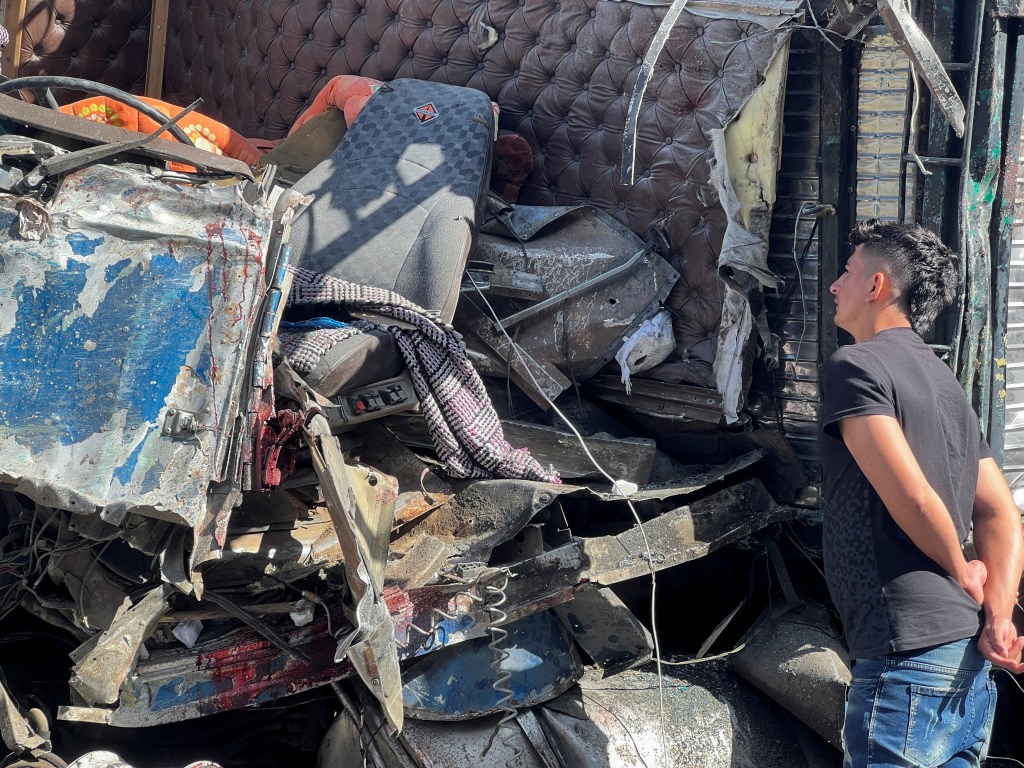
105	40
562	72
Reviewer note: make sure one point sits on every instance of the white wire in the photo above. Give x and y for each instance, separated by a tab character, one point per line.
1012	677
705	659
800	280
643	534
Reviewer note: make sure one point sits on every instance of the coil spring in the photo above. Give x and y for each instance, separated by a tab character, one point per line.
497	617
471	579
456	579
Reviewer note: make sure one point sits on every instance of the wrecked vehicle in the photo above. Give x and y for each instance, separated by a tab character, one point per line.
265	493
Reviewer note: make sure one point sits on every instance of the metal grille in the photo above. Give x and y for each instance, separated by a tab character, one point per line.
793	309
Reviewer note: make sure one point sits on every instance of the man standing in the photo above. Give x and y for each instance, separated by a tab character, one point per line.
907	472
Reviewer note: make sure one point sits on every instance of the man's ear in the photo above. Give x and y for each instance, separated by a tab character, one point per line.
879	286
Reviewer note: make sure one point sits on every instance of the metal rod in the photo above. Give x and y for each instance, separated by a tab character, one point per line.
950	161
558	298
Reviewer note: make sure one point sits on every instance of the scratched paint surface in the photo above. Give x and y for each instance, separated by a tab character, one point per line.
139	299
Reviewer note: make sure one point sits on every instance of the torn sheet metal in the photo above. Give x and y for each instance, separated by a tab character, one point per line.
743	253
238	669
243	668
901	24
104	663
481	516
146	294
607	630
17	732
601	283
770	14
363	535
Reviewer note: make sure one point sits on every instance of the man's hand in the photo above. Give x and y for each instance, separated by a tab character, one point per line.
1000	644
973	579
997	537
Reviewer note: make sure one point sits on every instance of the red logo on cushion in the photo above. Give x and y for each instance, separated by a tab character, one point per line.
425	113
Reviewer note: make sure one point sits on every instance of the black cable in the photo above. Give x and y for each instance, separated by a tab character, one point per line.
37	82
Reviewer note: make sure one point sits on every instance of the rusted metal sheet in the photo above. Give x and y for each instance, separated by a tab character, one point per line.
482	516
624	459
147	295
655	398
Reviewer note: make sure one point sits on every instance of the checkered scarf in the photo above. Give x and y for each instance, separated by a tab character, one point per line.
463	425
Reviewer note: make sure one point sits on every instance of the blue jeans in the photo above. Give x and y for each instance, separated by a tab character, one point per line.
921	709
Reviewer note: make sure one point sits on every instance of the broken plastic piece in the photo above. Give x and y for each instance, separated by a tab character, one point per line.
649	345
188	632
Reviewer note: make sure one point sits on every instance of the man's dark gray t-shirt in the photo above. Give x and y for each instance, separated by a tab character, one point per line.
890	595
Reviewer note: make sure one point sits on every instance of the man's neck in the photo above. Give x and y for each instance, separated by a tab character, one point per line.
883	321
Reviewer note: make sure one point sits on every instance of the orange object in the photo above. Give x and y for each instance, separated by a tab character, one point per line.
205	132
345	92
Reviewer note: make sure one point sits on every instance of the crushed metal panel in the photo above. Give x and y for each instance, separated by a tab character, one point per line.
101	667
243	668
630	458
583	318
123	336
607	630
901	24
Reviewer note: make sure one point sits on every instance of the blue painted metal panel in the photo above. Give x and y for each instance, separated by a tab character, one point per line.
138	302
458	682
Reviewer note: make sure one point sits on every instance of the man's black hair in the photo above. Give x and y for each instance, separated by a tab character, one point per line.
924	270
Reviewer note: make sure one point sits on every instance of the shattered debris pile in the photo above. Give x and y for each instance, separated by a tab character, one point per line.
365	428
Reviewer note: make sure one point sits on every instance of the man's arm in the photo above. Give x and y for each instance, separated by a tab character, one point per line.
997	537
880	449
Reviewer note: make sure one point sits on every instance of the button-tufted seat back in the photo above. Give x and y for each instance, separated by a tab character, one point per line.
562	72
